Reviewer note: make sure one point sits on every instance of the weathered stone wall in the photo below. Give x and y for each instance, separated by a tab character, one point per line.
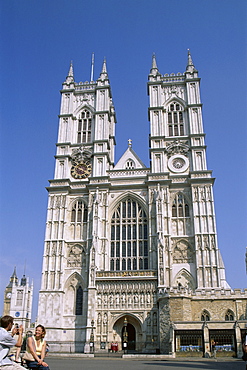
164	312
189	306
181	309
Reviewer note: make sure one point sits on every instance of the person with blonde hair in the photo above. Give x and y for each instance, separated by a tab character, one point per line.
36	350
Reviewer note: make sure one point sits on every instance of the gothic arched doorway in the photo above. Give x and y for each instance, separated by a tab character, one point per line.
131	336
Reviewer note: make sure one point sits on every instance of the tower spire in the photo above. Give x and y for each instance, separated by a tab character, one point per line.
13	279
71	72
154	71
190	65
14	275
70	76
103	74
190	61
154	64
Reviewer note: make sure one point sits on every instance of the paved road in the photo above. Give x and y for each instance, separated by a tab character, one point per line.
132	364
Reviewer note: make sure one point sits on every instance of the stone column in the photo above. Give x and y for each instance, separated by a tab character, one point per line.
206	340
239	350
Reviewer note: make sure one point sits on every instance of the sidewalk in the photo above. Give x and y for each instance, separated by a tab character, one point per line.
140	356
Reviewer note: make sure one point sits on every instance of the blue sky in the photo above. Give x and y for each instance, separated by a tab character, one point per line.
38	41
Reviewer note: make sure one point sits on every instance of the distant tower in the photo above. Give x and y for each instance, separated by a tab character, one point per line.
18	297
8	293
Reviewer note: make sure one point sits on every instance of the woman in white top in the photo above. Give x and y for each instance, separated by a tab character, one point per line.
36	346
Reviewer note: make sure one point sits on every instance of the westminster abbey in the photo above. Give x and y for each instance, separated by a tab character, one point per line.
131	257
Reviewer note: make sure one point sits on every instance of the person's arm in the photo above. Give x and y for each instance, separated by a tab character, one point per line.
43	350
20	331
32	349
43	363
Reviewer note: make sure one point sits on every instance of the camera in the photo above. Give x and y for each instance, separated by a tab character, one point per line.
17	327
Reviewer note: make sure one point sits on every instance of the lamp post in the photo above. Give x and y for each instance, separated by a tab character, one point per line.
125	335
92	337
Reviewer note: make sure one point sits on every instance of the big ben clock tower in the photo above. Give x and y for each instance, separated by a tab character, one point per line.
13	281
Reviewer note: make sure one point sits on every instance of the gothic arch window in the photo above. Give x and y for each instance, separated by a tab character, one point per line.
79	301
79	212
175	117
129	237
84	129
180	207
130	164
229	316
19	297
184	279
205	316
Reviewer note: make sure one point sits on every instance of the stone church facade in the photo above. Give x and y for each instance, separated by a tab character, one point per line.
131	253
18	300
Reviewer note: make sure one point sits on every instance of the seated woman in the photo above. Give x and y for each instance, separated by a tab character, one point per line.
36	346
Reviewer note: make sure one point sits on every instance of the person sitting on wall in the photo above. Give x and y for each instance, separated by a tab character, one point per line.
36	350
7	341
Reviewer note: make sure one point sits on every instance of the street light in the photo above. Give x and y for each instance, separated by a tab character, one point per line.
92	337
125	335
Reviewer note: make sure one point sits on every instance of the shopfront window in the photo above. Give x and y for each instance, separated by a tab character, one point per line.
189	341
224	339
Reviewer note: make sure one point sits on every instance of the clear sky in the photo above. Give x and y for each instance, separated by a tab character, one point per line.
39	39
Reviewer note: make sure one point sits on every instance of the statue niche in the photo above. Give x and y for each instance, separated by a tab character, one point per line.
76	256
182	253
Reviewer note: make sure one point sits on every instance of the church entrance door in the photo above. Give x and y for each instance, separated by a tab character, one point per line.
131	337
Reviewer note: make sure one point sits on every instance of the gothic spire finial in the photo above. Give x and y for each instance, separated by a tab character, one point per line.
103	74
71	72
104	70
154	64
14	273
70	76
190	61
190	65
130	143
104	66
154	70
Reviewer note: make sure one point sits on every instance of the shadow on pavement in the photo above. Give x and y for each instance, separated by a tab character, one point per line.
206	365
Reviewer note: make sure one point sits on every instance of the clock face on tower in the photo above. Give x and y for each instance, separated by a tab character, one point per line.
178	163
81	170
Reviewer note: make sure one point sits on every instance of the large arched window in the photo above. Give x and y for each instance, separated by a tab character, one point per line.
79	212
129	237
175	119
180	207
84	127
